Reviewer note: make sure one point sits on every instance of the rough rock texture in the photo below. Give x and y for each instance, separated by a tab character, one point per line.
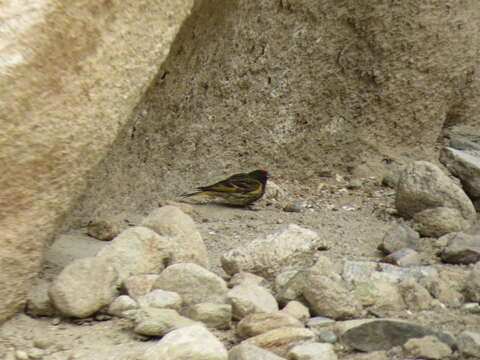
137	250
435	202
297	310
461	249
312	351
292	248
428	347
259	323
400	236
466	166
249	298
186	242
84	287
279	341
327	297
469	343
379	295
191	342
193	283
472	284
158	322
161	299
251	352
218	316
70	74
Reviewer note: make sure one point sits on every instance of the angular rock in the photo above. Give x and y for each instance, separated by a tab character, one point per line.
161	299
450	286
297	310
469	343
102	230
84	287
292	248
242	276
289	285
423	186
461	143
464	165
191	342
251	352
259	323
330	298
39	303
358	270
415	296
428	347
158	322
379	295
472	284
248	298
403	257
218	316
312	351
327	336
193	283
439	221
384	334
461	249
137	250
424	275
399	236
139	285
187	243
122	306
279	341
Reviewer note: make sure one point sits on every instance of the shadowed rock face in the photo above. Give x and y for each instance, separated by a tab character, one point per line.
273	84
300	85
70	75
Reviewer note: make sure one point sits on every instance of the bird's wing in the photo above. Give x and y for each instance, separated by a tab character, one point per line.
235	183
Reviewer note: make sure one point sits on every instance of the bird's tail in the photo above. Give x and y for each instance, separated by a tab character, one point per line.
192	194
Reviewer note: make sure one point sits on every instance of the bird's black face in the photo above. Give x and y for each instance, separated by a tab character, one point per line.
260	175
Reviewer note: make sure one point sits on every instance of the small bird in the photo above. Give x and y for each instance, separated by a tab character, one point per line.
239	189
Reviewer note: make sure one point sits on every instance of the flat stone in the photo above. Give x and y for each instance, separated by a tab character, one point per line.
384	334
259	323
280	341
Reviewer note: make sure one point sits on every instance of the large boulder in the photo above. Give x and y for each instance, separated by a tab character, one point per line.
70	74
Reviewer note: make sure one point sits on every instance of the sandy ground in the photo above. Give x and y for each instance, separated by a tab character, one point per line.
351	220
